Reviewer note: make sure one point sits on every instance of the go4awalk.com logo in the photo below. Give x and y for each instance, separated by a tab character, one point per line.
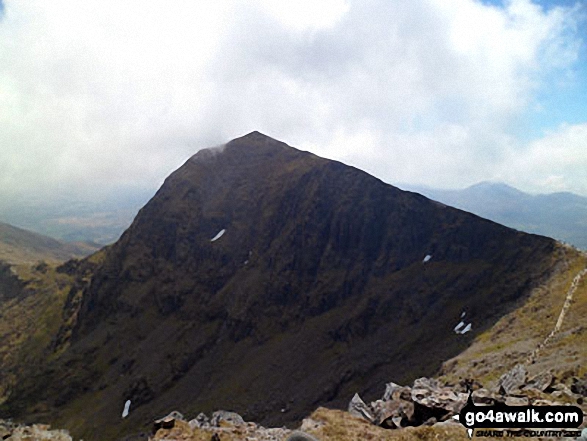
521	421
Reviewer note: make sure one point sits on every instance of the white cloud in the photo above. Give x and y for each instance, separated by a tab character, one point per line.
557	162
111	93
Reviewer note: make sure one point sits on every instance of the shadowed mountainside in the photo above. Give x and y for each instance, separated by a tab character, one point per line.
268	281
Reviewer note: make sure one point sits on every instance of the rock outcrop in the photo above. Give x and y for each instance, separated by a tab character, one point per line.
222	425
37	432
427	402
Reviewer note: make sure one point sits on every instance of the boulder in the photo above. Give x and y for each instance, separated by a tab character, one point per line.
200	421
513	380
428	393
358	408
542	381
484	396
222	416
167	422
391	391
393	414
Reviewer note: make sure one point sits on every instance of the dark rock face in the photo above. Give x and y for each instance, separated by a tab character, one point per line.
10	285
316	288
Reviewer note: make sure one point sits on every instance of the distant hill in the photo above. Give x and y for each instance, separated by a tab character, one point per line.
18	246
266	280
72	219
562	216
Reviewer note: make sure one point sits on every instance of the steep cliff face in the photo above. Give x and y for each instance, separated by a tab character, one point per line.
267	280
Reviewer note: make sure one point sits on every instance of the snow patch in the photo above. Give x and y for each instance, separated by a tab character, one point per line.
461	328
427	258
464	330
218	236
126	409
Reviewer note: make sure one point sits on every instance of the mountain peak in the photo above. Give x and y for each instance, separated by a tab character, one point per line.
495	186
256	135
251	144
256	139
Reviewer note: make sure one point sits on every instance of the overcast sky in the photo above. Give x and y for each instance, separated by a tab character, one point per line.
102	95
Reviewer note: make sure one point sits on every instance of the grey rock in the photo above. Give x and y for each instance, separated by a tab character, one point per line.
541	381
200	421
393	414
310	424
428	393
483	396
221	416
358	408
38	432
390	389
168	422
517	401
513	380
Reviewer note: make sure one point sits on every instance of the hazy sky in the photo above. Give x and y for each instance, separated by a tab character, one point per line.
102	95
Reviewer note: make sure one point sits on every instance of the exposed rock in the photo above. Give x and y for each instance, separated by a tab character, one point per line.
517	401
167	422
430	394
309	424
222	416
200	421
36	432
484	396
300	436
391	390
393	414
428	402
513	380
579	386
227	426
357	407
541	381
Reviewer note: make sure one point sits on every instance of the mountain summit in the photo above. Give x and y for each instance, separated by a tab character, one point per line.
268	280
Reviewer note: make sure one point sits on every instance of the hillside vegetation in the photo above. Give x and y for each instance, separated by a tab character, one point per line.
18	246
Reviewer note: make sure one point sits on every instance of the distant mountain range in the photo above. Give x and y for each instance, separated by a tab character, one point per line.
70	219
265	280
562	216
18	246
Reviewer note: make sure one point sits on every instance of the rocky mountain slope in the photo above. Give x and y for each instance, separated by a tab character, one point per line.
269	281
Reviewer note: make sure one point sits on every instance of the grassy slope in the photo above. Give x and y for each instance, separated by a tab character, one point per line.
18	246
34	321
29	321
517	334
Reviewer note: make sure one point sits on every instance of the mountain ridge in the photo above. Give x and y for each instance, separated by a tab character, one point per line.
559	215
324	281
20	246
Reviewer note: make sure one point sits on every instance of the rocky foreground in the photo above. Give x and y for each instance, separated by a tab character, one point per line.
423	411
37	432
